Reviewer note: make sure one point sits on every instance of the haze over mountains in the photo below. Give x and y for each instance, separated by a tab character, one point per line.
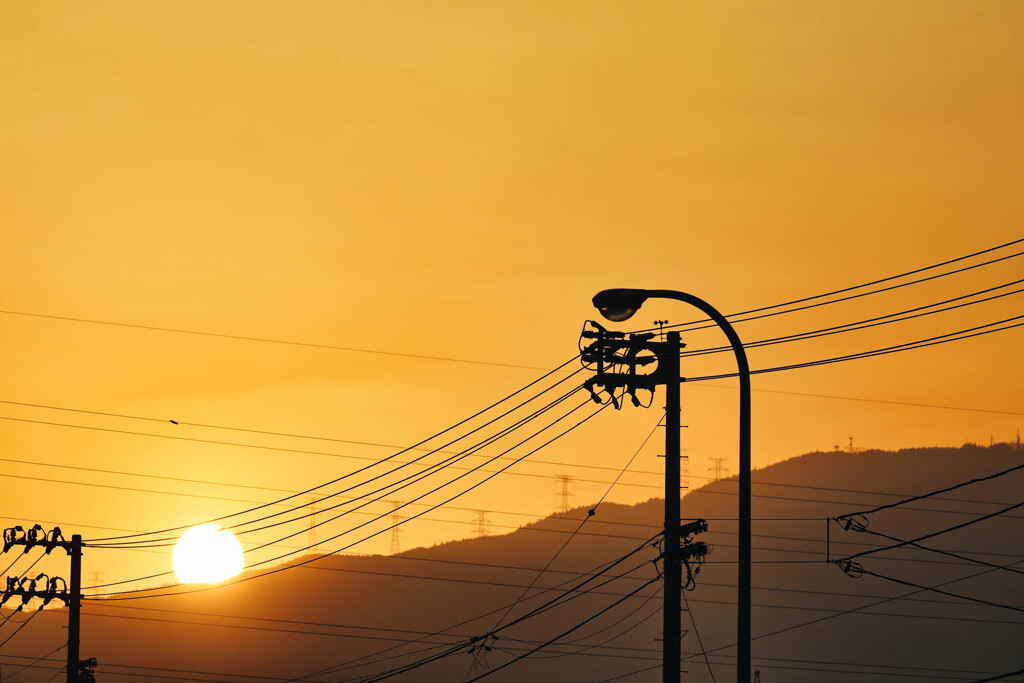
353	617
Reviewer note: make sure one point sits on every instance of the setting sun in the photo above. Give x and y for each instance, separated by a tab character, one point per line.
207	554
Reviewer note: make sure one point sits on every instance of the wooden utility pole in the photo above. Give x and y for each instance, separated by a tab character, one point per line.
672	612
74	607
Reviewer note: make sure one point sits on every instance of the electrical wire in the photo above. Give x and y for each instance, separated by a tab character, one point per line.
590	513
935	533
874	400
964	331
564	633
315	558
911	499
18	630
482	640
618	635
420	443
909	346
591	576
429	509
268	340
696	632
447	463
36	661
854	610
860	286
946	593
568	596
138	543
948	553
1000	676
868	323
21	576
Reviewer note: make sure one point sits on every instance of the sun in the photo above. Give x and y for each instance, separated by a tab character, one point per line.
207	554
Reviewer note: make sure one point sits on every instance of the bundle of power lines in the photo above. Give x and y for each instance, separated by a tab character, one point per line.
438	471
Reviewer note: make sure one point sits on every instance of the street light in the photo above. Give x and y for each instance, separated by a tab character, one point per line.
618	305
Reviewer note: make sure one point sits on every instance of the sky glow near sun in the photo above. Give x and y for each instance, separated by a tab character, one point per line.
207	554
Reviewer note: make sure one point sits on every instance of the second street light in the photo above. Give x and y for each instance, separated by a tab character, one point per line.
619	305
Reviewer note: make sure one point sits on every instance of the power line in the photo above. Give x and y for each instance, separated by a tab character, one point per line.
862	607
868	323
385	492
946	593
434	436
590	513
1000	676
269	340
230	443
909	346
557	601
501	512
948	553
304	562
657	609
564	633
37	660
862	286
930	494
696	632
597	572
18	630
876	400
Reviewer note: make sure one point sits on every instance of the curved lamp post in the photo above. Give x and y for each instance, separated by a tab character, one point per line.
618	305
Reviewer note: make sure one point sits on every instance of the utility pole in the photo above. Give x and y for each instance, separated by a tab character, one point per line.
71	595
672	614
75	608
611	351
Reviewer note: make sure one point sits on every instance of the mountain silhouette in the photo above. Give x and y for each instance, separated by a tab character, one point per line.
354	617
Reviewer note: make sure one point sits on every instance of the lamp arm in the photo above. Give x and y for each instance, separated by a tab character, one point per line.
744	546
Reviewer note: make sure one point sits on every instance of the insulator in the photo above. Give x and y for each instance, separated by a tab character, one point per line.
696	527
856	522
850	568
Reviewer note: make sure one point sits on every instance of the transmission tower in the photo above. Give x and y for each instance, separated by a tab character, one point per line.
314	508
566	493
481	524
395	531
716	468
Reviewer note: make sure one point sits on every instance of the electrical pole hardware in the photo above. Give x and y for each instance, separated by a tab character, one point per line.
625	365
48	588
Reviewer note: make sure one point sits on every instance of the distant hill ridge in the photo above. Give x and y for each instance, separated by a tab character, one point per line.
340	608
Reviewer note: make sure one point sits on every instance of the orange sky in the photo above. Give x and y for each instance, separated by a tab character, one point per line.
457	179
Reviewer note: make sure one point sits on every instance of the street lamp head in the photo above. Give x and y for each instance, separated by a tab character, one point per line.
619	304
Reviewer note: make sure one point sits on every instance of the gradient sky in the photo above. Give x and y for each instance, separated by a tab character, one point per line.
457	179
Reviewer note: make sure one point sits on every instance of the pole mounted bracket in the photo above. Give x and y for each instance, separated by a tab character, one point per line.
617	360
